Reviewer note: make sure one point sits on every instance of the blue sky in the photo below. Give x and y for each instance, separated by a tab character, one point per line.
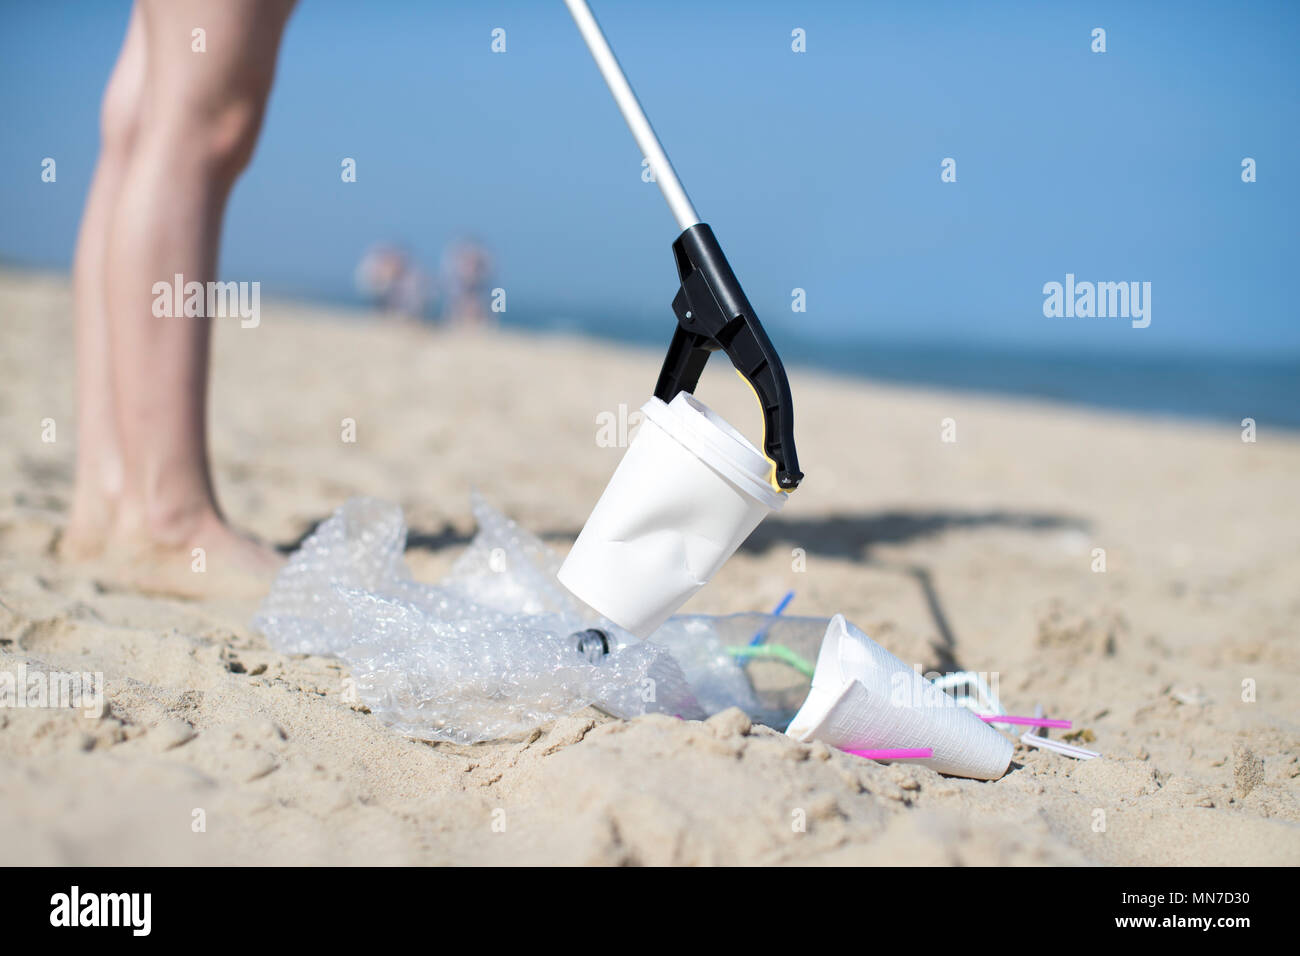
818	170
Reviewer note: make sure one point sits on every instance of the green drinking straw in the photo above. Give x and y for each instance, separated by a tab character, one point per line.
778	652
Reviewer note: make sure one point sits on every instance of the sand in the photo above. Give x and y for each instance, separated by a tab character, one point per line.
977	553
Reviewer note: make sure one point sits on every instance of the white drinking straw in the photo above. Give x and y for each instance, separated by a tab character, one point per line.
1078	753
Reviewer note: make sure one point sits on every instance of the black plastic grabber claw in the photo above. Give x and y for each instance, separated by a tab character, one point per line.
713	313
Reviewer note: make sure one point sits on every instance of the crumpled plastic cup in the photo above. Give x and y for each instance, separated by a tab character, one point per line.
688	491
865	698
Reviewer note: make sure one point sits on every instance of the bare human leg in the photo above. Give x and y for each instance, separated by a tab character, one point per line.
98	483
196	127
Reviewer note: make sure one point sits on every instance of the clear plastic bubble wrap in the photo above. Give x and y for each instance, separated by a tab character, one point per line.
488	652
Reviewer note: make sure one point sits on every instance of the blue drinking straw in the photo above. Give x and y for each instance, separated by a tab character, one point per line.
761	635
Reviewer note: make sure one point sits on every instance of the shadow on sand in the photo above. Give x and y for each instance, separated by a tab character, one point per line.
416	540
852	537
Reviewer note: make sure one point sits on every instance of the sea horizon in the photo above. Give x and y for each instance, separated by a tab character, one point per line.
1209	384
1193	384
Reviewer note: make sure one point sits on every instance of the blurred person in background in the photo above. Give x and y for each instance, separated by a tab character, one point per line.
389	277
466	271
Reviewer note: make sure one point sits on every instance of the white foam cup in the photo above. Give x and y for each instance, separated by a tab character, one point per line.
865	698
689	490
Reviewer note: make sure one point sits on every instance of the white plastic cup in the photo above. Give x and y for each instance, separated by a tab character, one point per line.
689	490
865	698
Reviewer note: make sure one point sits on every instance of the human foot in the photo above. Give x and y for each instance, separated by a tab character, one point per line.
84	535
203	557
213	560
94	512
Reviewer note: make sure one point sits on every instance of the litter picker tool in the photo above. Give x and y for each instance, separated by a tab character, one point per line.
712	311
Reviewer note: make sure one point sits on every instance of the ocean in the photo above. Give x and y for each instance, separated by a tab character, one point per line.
1208	388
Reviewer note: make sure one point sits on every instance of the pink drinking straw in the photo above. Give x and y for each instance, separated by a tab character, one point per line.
1023	721
899	753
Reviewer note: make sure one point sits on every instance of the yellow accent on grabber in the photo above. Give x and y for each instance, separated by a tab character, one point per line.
771	475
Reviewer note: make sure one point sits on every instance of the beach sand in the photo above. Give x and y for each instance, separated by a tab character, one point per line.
1178	663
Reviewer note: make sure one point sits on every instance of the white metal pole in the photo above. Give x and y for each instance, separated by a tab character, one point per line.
630	107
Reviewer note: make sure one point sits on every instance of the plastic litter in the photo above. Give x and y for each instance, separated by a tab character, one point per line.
1024	721
687	492
1068	750
784	603
1034	737
777	652
499	647
488	652
712	651
897	753
970	689
864	698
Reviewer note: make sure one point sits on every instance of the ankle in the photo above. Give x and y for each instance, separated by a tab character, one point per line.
96	487
167	524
